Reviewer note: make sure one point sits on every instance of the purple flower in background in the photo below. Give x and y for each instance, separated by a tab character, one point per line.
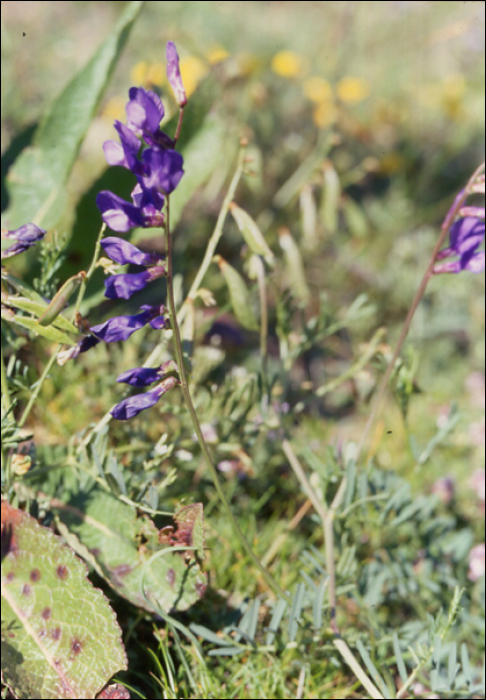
476	562
465	237
122	327
133	405
24	237
174	74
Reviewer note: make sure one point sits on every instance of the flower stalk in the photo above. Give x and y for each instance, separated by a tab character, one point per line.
177	342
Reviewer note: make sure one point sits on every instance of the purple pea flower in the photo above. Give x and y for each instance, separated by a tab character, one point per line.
124	253
124	154
85	344
144	376
122	216
163	168
174	74
122	327
124	285
133	405
24	237
144	111
465	237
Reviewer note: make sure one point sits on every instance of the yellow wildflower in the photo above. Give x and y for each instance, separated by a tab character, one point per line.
317	89
352	90
289	64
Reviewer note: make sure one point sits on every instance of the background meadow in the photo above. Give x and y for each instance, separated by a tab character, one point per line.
363	121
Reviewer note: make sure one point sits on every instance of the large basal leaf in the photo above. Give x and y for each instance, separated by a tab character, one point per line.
60	638
37	180
121	542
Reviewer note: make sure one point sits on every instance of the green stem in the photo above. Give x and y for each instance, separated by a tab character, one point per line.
84	283
411	312
190	405
37	389
6	400
262	291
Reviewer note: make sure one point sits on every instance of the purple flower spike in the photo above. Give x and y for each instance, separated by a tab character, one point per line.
128	408
118	214
164	169
145	111
123	252
122	327
25	237
465	237
140	376
174	74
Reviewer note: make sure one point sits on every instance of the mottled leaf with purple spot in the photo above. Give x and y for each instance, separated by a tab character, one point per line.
60	638
122	541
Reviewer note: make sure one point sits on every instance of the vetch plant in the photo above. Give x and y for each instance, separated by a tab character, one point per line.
387	555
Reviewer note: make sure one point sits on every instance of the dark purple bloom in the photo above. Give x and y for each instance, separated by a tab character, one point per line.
140	376
164	169
128	408
124	285
121	216
144	111
174	74
118	214
123	252
465	237
122	327
144	376
85	344
25	237
124	154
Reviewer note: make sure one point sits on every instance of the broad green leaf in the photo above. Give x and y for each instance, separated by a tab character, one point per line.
239	295
294	265
123	542
252	234
60	638
49	332
37	180
38	309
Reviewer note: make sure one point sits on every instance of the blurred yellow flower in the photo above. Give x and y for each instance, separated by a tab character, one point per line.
216	55
247	63
289	64
453	89
317	89
193	69
325	114
352	90
145	74
114	109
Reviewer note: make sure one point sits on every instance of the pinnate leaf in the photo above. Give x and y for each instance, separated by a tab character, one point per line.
60	638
